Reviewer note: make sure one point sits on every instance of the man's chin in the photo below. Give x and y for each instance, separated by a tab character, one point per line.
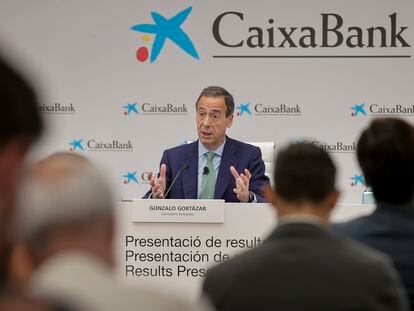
207	142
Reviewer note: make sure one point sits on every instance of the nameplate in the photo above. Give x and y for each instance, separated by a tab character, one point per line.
198	211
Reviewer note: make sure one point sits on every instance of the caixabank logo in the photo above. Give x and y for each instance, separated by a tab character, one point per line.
135	108
336	146
133	177
130	108
357	180
95	145
246	36
58	109
160	31
376	110
358	110
130	178
240	35
243	109
248	109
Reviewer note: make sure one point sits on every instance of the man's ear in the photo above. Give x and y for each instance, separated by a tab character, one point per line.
270	195
230	120
332	199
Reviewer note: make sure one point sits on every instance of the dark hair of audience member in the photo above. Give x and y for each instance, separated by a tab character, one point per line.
19	110
386	156
304	173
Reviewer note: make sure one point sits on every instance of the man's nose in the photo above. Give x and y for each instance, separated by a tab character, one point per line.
206	121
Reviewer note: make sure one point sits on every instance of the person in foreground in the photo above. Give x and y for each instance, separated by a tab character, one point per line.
215	166
21	125
386	156
66	223
302	266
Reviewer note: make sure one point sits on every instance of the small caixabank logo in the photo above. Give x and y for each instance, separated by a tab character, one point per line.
164	28
98	145
130	109
58	109
337	146
243	109
133	177
249	109
358	110
378	110
135	108
130	178
357	180
76	145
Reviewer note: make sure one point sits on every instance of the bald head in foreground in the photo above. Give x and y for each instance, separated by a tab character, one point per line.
301	266
66	222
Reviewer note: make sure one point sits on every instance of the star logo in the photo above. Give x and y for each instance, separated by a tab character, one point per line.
358	109
130	108
130	177
244	108
357	179
165	28
76	144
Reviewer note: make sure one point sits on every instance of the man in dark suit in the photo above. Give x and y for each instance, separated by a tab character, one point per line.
386	156
215	166
302	266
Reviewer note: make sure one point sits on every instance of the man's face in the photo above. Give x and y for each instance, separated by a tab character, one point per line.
212	121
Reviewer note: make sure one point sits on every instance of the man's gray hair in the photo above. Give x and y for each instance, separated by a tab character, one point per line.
63	189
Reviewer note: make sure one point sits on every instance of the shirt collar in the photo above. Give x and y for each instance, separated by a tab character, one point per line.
203	150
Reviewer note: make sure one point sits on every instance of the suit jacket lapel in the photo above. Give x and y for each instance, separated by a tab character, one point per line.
224	175
190	176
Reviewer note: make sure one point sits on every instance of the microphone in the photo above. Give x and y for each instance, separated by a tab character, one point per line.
183	168
206	170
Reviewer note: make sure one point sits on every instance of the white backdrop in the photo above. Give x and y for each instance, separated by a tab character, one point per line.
83	55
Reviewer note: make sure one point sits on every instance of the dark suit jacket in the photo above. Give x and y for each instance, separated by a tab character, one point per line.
235	153
390	229
303	267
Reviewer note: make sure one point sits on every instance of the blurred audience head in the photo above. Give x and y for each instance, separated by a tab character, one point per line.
65	205
304	181
20	126
386	156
